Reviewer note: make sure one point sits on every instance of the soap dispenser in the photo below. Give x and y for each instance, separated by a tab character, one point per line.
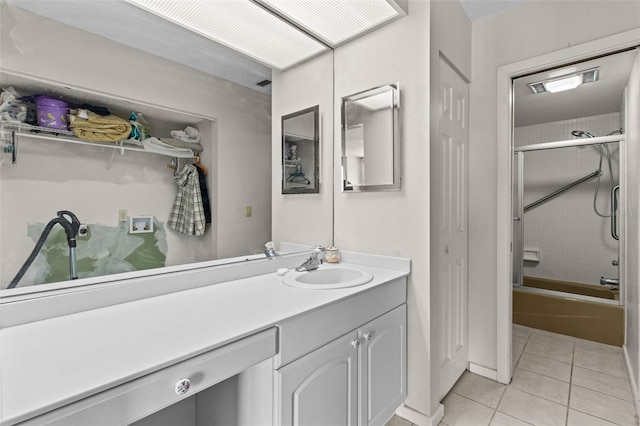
332	254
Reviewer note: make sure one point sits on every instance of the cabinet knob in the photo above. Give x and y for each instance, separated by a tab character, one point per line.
355	343
182	386
367	336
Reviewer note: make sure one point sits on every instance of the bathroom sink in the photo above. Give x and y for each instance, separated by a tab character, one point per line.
328	277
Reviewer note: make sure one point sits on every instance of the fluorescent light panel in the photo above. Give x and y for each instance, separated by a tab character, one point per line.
336	21
241	25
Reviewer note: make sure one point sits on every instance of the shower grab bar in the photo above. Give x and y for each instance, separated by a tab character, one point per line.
560	191
614	212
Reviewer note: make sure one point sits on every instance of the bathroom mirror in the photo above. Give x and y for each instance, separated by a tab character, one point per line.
300	152
371	140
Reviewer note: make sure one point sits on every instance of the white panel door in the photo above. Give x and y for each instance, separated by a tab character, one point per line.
450	194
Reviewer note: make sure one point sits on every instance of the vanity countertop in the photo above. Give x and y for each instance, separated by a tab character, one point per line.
48	364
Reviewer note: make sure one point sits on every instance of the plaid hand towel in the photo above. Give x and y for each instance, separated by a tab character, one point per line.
187	215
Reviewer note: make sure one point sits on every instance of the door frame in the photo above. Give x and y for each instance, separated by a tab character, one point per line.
504	154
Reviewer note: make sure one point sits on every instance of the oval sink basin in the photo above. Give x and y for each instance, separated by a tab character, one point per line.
328	277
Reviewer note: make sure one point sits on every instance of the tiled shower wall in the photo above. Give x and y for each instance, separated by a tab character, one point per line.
574	243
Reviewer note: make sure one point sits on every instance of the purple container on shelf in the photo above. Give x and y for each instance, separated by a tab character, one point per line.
52	113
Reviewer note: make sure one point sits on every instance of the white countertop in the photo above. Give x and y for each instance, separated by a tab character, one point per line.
48	364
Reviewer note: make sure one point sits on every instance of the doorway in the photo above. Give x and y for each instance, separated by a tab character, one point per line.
506	131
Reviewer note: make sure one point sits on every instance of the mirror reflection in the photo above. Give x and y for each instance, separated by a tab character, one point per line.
300	152
107	188
370	140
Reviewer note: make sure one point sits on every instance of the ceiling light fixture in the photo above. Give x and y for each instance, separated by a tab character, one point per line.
240	25
336	21
565	82
277	33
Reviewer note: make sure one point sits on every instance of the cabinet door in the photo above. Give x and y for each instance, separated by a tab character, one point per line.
383	367
321	388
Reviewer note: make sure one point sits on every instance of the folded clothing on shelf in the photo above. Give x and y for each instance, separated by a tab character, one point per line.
159	147
195	147
96	128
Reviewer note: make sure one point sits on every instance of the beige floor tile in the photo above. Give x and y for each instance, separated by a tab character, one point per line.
521	331
600	364
532	409
398	421
518	339
459	411
595	348
602	406
515	358
545	387
546	367
611	385
543	334
578	418
479	389
501	419
557	351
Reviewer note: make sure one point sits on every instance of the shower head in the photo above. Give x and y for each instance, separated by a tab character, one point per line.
616	132
582	134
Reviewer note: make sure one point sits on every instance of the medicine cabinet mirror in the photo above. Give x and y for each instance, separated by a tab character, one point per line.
371	140
300	152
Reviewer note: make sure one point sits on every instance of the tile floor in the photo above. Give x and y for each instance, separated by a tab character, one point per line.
557	380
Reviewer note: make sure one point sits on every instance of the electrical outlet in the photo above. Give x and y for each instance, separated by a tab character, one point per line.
122	215
247	211
83	231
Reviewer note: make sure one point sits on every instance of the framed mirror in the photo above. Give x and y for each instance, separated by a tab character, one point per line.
300	152
371	140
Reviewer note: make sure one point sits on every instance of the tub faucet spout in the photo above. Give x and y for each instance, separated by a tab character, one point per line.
609	281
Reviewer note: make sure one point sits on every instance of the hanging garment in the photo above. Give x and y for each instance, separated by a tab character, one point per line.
187	215
204	192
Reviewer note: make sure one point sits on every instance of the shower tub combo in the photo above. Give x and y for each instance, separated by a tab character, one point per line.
587	311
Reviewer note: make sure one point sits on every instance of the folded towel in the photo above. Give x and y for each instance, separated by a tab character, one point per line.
97	128
159	147
196	147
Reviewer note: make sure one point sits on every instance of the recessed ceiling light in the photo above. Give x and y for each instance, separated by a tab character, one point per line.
565	82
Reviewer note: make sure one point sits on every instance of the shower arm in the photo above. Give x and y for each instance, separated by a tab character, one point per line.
560	191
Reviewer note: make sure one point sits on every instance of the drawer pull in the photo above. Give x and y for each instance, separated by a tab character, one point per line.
367	336
182	386
355	343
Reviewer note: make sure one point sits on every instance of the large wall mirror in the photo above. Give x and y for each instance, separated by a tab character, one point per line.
104	188
371	140
300	152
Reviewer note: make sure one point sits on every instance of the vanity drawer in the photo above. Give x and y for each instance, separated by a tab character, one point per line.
137	399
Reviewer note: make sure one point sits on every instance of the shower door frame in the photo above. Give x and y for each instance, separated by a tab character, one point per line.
504	153
517	186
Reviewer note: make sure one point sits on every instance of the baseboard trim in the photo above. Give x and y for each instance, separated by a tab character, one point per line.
483	371
632	380
419	418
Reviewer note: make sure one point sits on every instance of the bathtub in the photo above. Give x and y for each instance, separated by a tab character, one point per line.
538	304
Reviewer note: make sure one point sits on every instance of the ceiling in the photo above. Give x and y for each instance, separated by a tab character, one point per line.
145	31
600	97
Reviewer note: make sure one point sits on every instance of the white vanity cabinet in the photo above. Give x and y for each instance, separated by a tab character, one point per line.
357	379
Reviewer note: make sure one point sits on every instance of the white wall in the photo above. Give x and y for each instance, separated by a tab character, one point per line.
77	180
632	223
525	31
304	218
574	243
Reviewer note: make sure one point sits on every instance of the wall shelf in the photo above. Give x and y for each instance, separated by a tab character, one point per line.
66	136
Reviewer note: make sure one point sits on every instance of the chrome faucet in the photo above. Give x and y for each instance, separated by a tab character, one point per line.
312	262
